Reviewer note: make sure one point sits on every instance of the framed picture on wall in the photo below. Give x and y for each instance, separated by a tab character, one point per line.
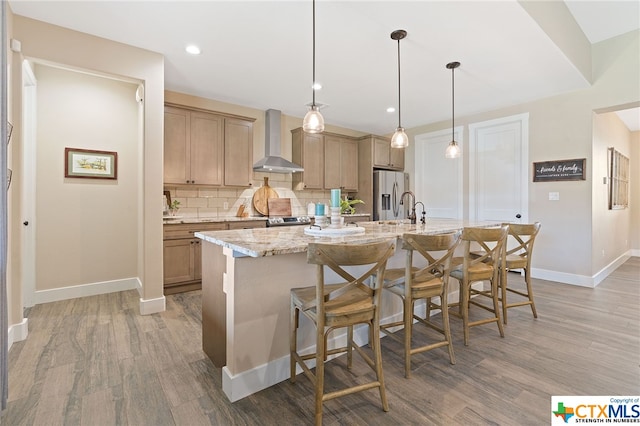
91	164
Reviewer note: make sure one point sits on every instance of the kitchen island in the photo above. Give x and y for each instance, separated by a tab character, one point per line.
246	278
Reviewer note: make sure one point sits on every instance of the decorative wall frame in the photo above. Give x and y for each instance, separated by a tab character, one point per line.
559	170
618	179
90	164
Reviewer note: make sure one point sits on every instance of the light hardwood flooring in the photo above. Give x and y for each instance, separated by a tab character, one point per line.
95	361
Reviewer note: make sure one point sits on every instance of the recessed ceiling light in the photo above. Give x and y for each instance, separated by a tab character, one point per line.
316	86
193	49
391	109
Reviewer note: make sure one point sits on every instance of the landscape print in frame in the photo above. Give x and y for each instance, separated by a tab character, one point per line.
92	164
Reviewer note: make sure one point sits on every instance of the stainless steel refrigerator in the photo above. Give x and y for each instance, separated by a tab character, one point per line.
388	186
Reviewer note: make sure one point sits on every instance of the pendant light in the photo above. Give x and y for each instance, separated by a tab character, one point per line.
399	138
313	122
453	150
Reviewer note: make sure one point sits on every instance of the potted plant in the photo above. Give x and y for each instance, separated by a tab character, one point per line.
346	206
174	207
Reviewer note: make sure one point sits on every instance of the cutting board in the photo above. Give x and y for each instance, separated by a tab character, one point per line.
279	206
261	197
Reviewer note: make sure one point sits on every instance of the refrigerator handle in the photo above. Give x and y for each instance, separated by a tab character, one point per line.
396	206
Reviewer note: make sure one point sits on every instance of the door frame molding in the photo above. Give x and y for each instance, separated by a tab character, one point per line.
474	128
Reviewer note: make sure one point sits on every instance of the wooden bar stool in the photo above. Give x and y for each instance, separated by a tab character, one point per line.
519	257
475	266
333	306
413	283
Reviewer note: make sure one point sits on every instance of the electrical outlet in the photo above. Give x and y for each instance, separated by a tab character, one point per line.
554	196
225	205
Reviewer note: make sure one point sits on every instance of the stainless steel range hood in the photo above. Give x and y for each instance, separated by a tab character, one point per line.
272	161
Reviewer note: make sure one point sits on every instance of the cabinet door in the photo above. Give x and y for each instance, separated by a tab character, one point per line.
197	260
178	261
176	146
381	153
313	158
397	158
238	152
349	165
207	138
332	162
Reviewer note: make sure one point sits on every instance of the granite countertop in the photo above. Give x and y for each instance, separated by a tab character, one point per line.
168	220
292	239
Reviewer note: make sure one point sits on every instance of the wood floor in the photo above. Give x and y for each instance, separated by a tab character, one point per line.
95	361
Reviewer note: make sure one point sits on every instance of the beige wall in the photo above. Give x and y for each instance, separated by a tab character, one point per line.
561	127
86	229
611	228
49	44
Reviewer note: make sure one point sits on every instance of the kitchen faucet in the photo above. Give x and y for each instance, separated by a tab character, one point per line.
423	219
412	214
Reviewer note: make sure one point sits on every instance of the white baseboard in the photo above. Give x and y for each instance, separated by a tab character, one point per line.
152	306
18	332
83	290
581	280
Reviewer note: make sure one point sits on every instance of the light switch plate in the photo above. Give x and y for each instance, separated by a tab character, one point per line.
554	196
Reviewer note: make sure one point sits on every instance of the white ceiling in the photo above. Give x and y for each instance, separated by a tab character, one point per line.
258	53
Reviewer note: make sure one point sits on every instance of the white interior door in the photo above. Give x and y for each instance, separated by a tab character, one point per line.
438	179
498	183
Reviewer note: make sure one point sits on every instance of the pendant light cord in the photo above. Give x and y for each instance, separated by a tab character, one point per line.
453	106
313	83
399	103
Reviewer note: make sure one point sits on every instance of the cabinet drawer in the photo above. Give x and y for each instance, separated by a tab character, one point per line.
248	224
186	230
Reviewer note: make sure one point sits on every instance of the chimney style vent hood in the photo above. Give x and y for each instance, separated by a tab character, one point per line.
272	161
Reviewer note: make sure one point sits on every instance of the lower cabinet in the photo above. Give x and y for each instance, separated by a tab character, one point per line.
182	257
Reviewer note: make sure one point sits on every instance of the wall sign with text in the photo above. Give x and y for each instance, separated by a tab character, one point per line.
560	170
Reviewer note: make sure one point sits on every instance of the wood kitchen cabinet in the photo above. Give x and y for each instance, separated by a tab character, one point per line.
238	152
308	151
193	147
385	157
205	148
182	256
247	224
340	163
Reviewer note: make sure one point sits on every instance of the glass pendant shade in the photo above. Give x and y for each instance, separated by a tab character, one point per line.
399	139
313	122
453	150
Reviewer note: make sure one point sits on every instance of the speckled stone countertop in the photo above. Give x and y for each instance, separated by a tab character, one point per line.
169	220
292	239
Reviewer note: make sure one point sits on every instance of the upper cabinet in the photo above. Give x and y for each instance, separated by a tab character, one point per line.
238	152
307	149
204	148
340	163
329	161
385	157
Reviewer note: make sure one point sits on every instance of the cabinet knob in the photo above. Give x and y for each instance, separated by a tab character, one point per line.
25	223
250	183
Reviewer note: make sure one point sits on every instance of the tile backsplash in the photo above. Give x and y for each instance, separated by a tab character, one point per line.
222	202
